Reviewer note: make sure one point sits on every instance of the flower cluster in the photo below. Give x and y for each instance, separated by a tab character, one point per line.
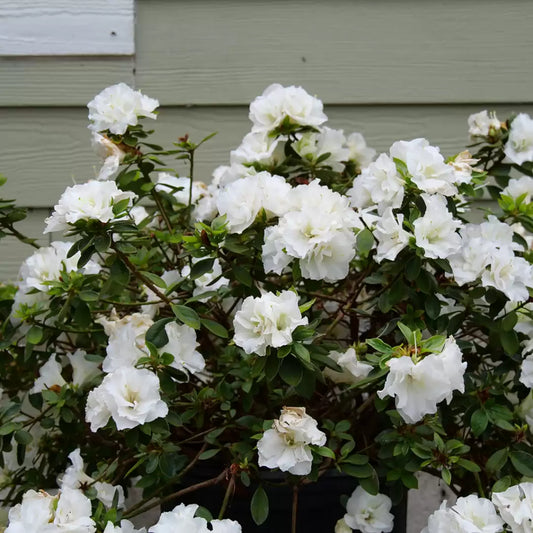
315	309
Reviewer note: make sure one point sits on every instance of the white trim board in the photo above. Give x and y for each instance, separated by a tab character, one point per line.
66	27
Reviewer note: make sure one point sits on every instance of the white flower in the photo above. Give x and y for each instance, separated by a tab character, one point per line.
419	387
427	167
182	345
125	527
520	187
180	188
443	520
317	230
47	263
477	515
268	320
369	513
111	155
353	369
180	520
73	512
119	106
83	370
515	506
391	236
483	124
126	343
379	185
129	395
342	527
462	164
278	103
138	213
225	174
435	231
525	409
93	200
258	147
242	199
75	478
526	375
225	526
519	147
311	146
49	376
33	514
359	152
286	445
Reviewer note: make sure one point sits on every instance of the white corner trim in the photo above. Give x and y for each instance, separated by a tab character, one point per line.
66	27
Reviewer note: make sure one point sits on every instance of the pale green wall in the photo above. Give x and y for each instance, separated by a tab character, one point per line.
388	68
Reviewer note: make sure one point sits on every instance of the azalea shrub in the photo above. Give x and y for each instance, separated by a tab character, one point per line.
310	309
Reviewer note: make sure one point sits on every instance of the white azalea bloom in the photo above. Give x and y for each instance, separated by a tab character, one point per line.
47	263
443	520
519	187
526	374
510	274
462	165
419	387
125	527
312	145
49	376
379	185
32	515
258	147
93	200
427	167
369	513
180	520
130	396
353	369
111	155
182	345
391	236
274	254
83	370
519	147
225	174
483	124
75	478
119	106
242	200
138	213
126	343
477	515
515	506
73	512
278	103
342	527
286	445
180	188
436	231
358	151
268	320
225	526
525	410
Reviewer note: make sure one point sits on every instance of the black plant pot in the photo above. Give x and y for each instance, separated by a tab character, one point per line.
319	504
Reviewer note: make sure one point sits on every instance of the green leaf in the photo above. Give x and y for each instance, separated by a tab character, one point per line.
259	505
479	421
120	206
510	342
307	305
102	243
208	454
9	428
523	462
371	484
291	371
23	437
156	334
187	315
34	335
242	275
358	471
468	465
407	333
446	475
156	280
202	267
214	327
88	296
379	346
412	269
497	460
365	241
502	484
325	452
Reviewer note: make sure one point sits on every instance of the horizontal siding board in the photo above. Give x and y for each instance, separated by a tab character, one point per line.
32	227
66	27
65	81
413	51
45	150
